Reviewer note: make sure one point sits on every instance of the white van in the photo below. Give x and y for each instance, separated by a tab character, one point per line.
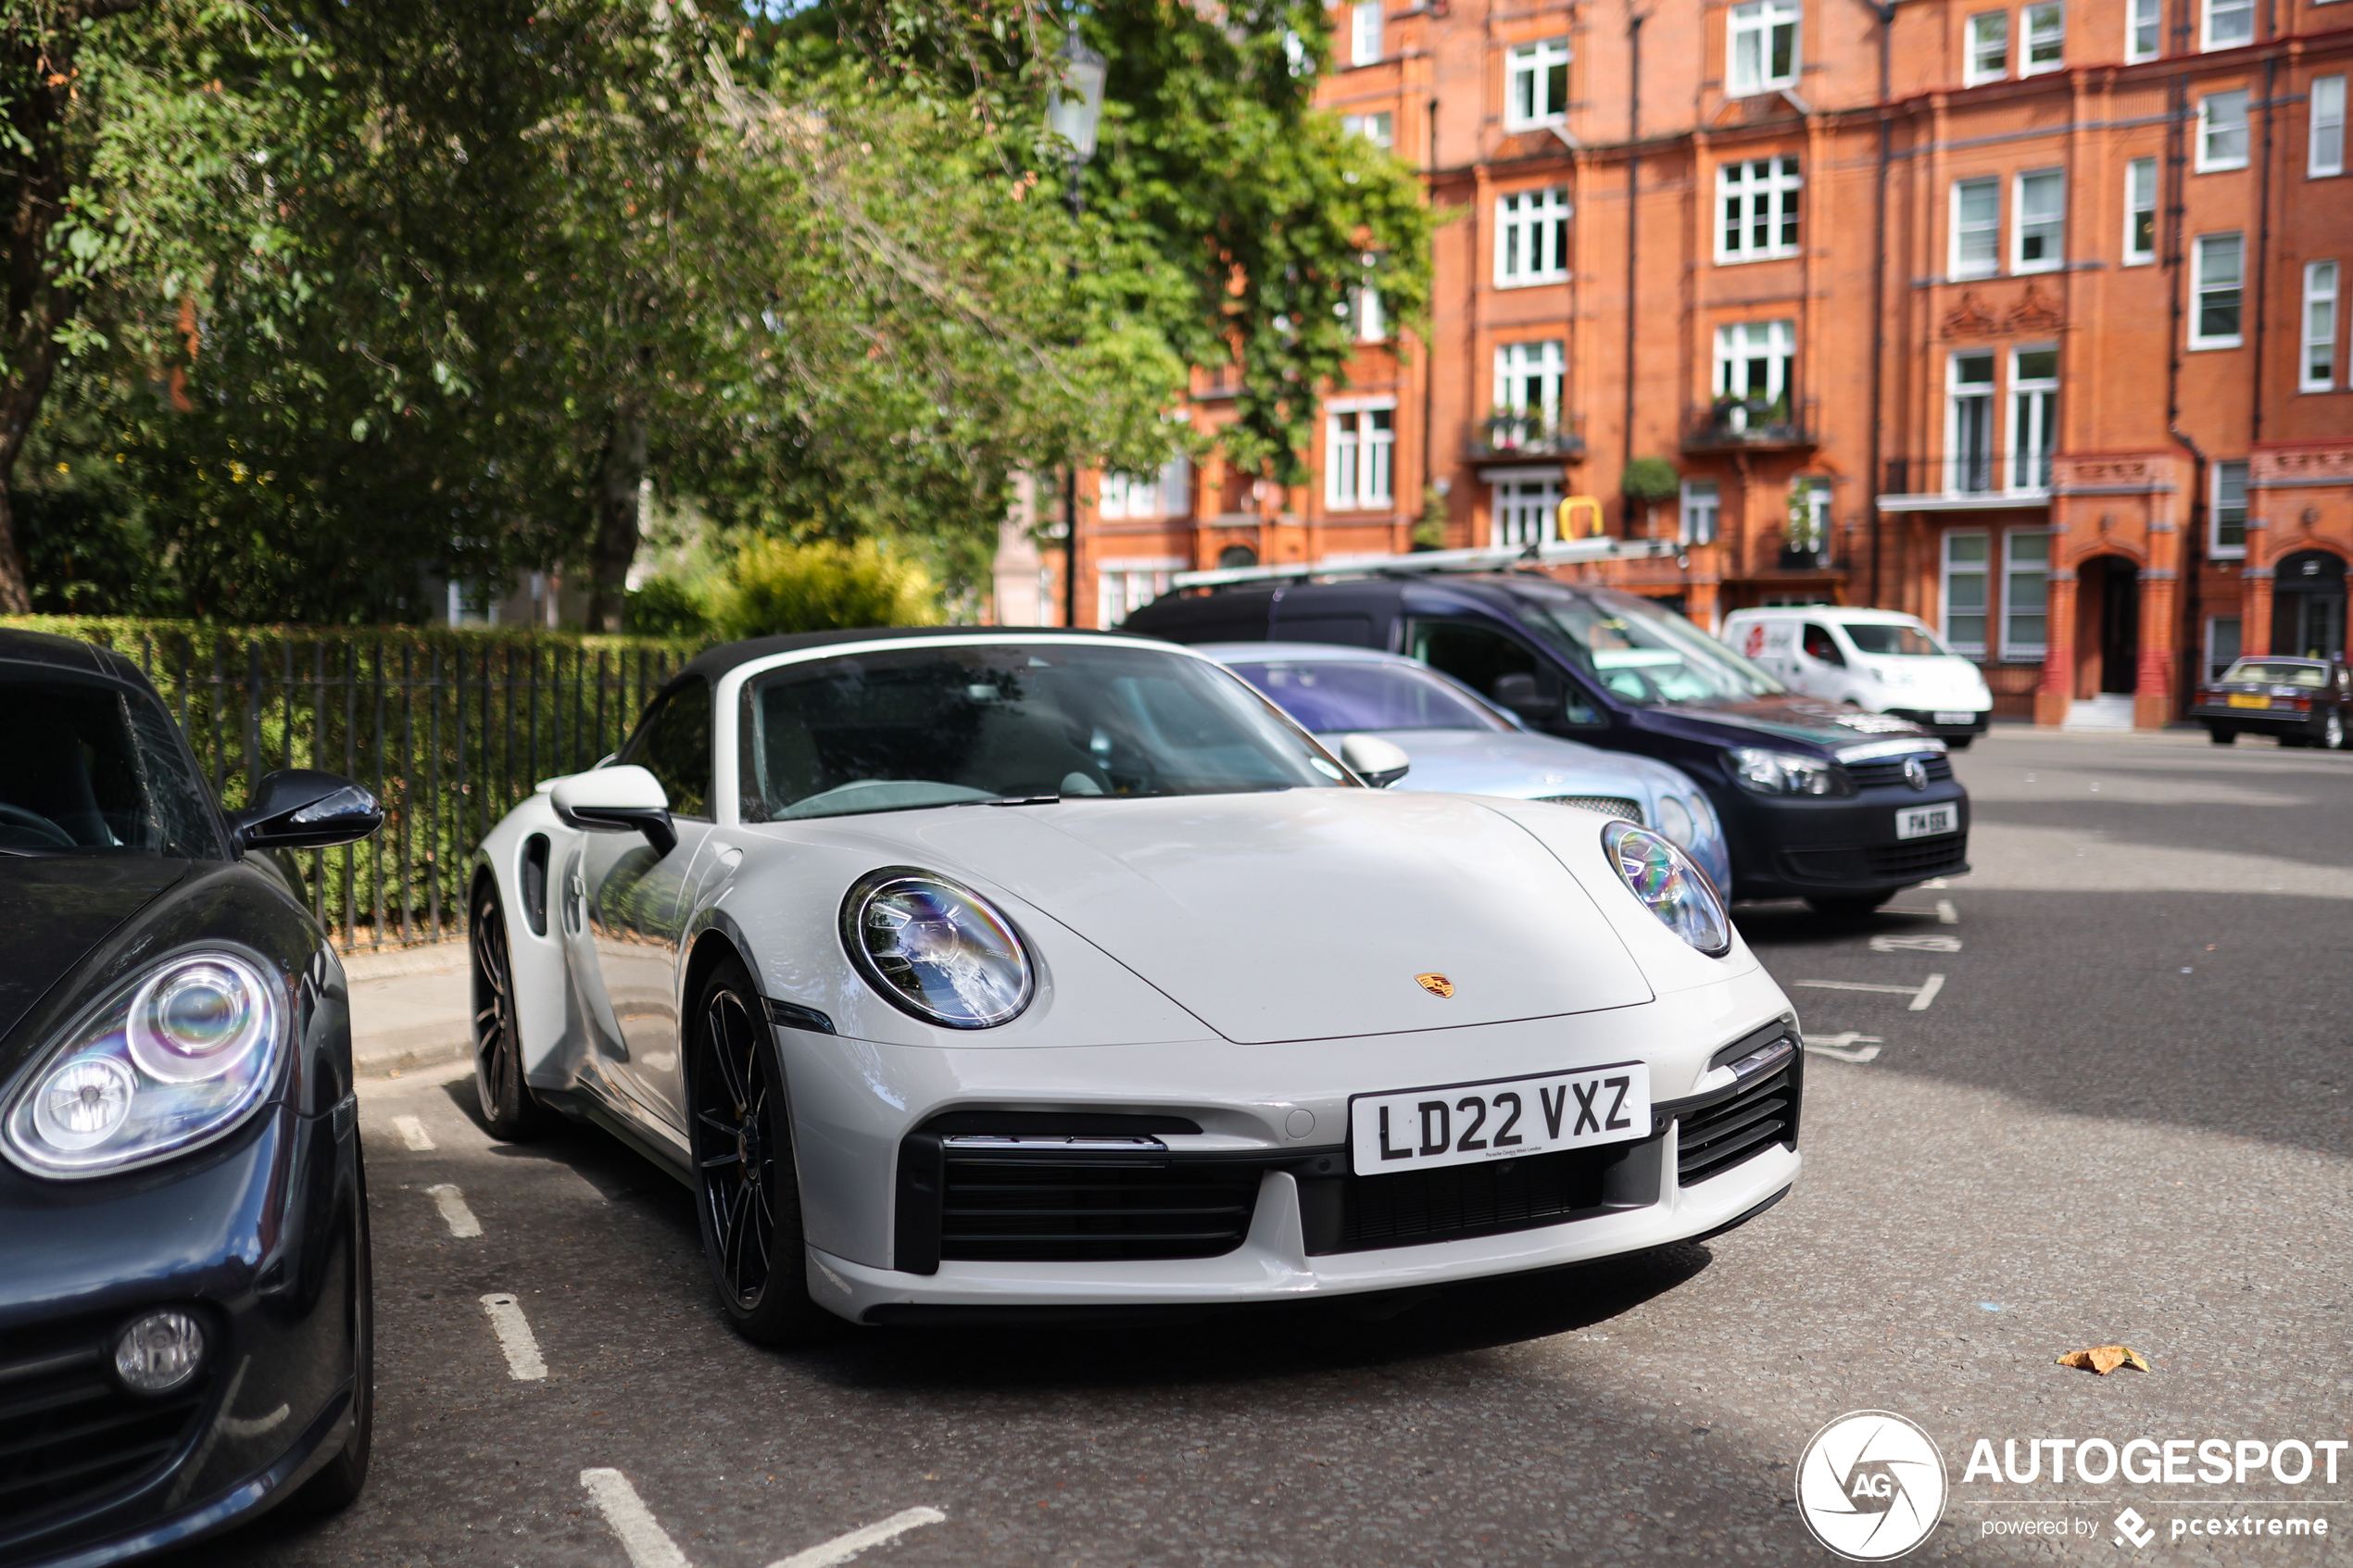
1881	661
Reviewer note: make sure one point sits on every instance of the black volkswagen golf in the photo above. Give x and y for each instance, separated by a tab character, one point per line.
185	1312
1828	804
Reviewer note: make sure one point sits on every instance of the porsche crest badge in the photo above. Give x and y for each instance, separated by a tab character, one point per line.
1436	985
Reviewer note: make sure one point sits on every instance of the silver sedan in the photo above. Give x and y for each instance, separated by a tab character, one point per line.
1460	743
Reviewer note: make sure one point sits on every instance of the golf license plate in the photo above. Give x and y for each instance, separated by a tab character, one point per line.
1925	822
2241	700
1502	1119
1964	717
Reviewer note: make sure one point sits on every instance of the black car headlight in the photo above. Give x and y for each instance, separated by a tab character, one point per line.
936	950
1670	887
172	1059
1785	773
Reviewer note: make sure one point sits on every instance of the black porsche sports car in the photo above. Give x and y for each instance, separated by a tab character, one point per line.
184	1312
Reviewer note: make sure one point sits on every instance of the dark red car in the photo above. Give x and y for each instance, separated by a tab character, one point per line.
2303	701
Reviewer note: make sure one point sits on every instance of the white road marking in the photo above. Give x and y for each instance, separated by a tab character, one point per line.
1936	884
1927	993
1892	944
842	1548
452	1204
1837	1045
641	1537
412	1133
1946	913
522	1352
1921	995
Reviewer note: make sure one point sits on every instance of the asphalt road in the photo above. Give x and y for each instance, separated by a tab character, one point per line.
2122	1116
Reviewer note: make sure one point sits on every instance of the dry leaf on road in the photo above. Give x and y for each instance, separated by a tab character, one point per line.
2105	1359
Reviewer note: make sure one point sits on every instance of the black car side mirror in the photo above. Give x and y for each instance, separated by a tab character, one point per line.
1520	694
299	808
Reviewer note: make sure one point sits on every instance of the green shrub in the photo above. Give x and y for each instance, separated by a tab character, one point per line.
1650	479
668	606
774	587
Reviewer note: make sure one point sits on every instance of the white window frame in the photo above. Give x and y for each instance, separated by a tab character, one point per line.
2140	195
1535	62
1365	32
1543	360
1699	516
2215	548
2052	227
2013	572
1971	481
2200	286
2045	46
1166	494
2325	140
2143	30
1947	569
1360	455
1738	343
1754	192
2238	17
1526	507
2034	432
1526	224
1124	587
2208	162
2317	321
1993	261
1987	39
1368	318
1756	22
1380	129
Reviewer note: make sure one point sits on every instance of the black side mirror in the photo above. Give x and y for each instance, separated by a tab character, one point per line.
297	808
1520	693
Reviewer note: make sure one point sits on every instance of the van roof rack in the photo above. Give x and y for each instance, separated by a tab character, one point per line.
1426	563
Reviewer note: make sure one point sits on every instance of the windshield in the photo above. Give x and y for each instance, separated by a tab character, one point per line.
945	727
1876	637
2277	674
94	770
1645	654
1359	694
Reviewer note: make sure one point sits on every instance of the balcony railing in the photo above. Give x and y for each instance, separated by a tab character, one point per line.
1753	423
1983	477
1530	433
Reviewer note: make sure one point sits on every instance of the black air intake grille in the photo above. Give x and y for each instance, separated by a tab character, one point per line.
1717	1137
1353	1213
1919	856
1882	770
70	1435
1052	1207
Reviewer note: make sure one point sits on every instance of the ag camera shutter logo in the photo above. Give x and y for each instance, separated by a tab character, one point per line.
1871	1486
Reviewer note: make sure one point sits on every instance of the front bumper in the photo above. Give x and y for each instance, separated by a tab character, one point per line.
1790	846
255	1237
1980	719
1268	1115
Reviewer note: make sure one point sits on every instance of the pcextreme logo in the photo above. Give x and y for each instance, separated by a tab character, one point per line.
1871	1486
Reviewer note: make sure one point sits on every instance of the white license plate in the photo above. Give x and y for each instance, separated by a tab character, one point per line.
1922	821
1502	1119
1961	718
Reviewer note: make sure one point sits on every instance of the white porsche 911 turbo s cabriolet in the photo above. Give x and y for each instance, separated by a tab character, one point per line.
961	969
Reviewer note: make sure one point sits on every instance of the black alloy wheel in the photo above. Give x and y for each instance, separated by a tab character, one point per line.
508	1107
748	1193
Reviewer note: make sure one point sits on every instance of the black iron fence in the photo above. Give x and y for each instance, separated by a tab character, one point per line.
450	729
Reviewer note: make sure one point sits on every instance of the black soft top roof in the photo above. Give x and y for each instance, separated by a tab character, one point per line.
714	663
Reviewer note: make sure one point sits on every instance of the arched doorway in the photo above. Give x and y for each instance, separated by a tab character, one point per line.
2107	630
2308	604
1234	555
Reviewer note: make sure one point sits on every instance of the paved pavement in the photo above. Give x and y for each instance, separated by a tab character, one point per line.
410	1008
2121	1116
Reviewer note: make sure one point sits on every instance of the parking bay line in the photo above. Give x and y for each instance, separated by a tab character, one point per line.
412	1133
523	1362
842	1548
1839	1046
1921	995
650	1545
452	1204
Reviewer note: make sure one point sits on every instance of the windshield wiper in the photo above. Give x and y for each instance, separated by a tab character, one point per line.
1011	800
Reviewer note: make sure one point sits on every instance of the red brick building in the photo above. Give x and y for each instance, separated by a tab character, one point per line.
2027	316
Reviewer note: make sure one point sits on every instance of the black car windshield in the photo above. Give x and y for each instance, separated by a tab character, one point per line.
1331	696
1645	654
93	769
1880	638
930	725
2275	673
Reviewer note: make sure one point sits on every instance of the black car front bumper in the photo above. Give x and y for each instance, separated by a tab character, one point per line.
1796	846
259	1237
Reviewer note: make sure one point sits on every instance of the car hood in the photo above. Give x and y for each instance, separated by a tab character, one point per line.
1523	766
53	911
1820	723
1308	913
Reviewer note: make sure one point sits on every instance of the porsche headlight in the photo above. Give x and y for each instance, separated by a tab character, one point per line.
1670	886
935	950
172	1059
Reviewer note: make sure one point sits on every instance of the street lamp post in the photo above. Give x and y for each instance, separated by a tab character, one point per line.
1074	113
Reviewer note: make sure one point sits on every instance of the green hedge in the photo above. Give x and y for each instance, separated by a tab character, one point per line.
450	727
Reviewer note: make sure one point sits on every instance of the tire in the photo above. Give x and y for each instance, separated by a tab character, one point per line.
338	1485
508	1107
2332	731
1848	906
747	1187
2221	736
